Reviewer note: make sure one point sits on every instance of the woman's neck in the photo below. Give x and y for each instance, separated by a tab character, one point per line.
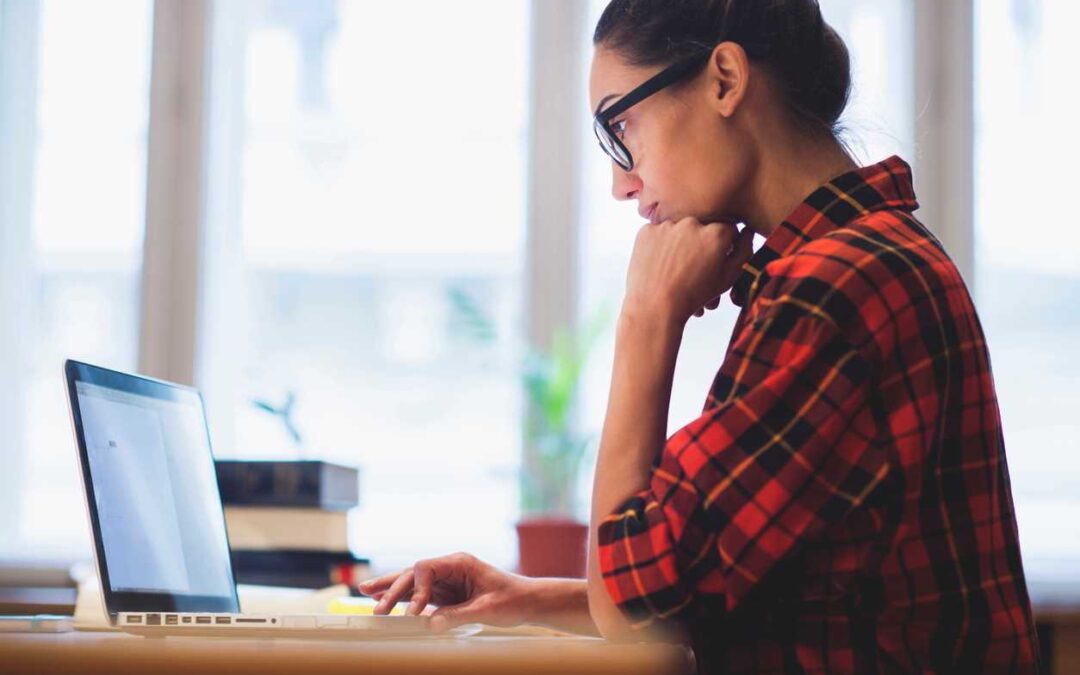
788	172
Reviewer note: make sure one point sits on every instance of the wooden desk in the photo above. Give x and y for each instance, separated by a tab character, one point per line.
121	654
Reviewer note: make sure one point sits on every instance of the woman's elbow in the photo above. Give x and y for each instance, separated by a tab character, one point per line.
614	626
609	620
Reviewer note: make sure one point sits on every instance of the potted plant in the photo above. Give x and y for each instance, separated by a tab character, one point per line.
552	535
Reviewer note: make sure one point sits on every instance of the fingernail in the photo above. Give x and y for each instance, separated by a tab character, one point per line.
414	607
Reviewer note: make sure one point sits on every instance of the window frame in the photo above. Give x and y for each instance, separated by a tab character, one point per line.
944	100
20	38
175	190
186	252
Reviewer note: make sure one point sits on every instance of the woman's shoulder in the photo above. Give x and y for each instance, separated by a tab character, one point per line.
871	253
864	275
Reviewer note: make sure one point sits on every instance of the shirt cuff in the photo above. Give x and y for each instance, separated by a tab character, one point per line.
638	562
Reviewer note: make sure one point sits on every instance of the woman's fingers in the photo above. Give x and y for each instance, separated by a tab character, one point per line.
744	247
740	253
402	585
424	577
378	584
741	248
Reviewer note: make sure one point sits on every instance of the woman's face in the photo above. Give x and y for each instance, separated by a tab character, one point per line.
690	157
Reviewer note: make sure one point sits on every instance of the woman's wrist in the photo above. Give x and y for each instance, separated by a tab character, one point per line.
657	320
649	332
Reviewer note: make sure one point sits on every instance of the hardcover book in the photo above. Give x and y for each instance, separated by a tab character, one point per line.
288	483
299	569
286	528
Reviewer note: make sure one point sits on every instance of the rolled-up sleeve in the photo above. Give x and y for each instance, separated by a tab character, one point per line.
788	451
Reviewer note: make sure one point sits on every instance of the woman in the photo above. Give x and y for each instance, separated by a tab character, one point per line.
843	503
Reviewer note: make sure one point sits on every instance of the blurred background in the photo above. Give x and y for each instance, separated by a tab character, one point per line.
377	209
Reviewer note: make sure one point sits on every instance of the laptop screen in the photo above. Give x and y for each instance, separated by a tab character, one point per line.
153	493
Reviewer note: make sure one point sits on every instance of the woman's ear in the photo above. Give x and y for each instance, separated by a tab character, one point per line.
729	76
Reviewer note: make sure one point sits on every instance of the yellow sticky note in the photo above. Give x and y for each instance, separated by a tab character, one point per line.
365	606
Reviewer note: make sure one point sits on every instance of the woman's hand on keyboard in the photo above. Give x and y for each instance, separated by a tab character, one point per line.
466	590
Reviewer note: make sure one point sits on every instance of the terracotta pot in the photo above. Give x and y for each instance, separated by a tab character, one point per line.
551	546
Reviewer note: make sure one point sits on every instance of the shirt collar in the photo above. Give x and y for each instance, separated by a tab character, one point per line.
885	185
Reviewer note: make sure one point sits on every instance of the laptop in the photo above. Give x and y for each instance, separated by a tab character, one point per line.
160	543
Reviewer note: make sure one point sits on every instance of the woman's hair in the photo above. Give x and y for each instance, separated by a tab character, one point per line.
806	56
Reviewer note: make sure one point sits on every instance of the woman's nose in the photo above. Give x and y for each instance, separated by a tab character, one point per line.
624	184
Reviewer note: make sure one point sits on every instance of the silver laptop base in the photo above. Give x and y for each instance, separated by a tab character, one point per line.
307	626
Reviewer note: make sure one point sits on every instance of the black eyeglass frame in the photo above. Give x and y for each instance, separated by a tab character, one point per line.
665	78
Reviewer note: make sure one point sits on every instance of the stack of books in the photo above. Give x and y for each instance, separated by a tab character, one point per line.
288	522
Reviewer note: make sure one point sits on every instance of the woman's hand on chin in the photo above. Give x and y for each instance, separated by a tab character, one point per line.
682	268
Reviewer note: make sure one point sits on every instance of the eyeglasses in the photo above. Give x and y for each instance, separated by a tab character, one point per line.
610	143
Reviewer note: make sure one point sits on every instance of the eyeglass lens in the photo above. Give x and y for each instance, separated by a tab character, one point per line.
609	146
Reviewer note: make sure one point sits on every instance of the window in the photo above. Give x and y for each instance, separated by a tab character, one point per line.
365	235
74	236
1027	265
380	219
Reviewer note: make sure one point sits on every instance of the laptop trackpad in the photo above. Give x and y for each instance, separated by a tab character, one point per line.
300	622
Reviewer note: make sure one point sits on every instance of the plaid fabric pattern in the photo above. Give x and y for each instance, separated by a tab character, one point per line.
842	504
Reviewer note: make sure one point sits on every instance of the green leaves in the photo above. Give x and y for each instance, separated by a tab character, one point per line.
551	379
285	412
554	451
473	321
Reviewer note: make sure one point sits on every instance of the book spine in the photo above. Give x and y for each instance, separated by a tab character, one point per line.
350	574
311	484
299	569
271	528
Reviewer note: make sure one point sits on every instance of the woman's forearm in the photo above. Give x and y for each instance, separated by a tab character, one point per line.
562	604
635	428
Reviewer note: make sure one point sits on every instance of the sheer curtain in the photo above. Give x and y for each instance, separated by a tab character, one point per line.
368	179
75	235
1027	239
378	173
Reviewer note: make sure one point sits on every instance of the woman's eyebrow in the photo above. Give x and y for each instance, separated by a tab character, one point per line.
603	101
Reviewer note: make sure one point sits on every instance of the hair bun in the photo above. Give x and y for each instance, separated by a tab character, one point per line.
806	55
810	57
833	86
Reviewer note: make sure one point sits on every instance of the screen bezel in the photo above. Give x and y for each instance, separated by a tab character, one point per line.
139	601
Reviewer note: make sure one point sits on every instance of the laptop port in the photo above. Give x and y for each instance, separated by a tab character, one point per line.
137	618
202	619
222	619
243	620
153	619
171	620
186	619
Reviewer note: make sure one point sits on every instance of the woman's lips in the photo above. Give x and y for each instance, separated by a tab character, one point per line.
650	213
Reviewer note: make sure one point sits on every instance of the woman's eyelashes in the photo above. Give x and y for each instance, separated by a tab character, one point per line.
619	127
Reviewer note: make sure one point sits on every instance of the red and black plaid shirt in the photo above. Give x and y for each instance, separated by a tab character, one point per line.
842	504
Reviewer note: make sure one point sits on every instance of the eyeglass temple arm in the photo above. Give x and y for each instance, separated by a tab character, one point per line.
669	76
662	79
